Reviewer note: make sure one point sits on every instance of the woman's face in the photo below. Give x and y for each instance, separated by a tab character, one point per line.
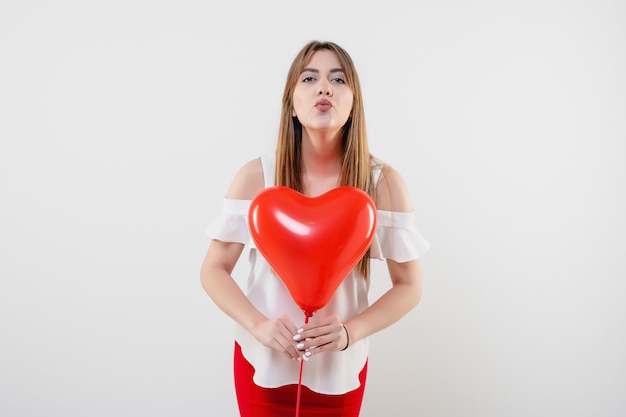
321	99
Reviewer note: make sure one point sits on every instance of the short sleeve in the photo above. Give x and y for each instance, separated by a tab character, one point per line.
397	238
231	225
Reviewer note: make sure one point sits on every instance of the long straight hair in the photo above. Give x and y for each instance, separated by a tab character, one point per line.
356	165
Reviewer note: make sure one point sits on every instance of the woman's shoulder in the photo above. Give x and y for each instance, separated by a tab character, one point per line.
247	182
392	193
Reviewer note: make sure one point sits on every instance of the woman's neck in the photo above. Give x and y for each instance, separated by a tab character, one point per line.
321	162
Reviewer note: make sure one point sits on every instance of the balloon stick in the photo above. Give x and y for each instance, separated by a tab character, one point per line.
307	314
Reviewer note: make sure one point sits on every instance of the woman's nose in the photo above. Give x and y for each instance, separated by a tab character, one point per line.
324	88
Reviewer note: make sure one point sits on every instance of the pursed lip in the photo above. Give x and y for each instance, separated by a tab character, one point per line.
323	104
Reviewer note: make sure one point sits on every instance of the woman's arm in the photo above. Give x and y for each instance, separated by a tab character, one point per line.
217	281
406	277
402	297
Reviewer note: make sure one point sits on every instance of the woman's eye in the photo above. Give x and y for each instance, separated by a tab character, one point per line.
338	80
307	79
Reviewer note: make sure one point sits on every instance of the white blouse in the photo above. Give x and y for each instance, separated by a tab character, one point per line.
330	372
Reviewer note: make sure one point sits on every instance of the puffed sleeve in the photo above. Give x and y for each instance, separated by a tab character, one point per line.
231	225
397	238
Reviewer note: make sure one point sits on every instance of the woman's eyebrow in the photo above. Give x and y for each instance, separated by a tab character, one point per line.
317	71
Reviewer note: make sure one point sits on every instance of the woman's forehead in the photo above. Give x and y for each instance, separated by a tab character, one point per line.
324	58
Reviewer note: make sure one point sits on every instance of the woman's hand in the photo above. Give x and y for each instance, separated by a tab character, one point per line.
278	334
321	335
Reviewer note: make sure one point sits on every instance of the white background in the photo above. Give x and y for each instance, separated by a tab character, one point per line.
122	123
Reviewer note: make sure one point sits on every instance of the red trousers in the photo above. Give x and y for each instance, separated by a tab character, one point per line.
255	401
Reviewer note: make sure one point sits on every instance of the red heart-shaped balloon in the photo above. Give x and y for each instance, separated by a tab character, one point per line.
312	243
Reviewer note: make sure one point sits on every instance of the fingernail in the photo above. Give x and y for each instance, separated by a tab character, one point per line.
306	358
307	354
300	330
300	345
296	337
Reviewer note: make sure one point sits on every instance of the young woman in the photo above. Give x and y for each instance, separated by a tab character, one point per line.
322	144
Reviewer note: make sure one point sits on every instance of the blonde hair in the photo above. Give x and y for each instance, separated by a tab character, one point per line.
356	169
